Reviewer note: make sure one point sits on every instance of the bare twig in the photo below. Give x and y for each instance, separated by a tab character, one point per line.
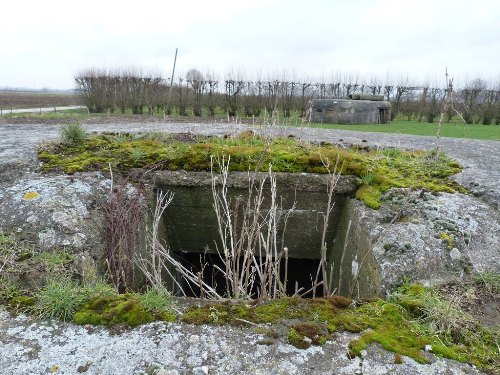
248	237
333	178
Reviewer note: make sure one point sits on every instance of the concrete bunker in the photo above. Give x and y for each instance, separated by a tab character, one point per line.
190	229
356	109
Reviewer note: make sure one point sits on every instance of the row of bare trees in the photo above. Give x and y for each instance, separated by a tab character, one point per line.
202	94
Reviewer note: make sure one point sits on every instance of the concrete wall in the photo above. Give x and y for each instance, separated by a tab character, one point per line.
345	111
357	272
191	224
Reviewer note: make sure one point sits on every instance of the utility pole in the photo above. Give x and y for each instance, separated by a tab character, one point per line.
171	83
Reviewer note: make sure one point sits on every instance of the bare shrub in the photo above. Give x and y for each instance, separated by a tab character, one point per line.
249	248
153	266
249	237
161	260
323	269
123	211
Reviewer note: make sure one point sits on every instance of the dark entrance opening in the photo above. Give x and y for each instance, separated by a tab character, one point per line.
301	274
383	115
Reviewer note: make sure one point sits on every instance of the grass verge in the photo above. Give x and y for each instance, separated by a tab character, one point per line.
400	126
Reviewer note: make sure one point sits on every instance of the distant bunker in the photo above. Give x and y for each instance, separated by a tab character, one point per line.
190	225
357	109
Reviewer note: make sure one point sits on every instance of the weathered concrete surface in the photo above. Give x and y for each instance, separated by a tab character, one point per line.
481	160
428	239
309	182
36	348
57	211
28	347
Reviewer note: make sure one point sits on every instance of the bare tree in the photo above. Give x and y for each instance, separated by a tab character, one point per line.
198	84
213	84
233	91
470	96
181	91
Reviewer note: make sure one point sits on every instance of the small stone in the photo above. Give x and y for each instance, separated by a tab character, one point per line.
84	368
478	193
203	370
450	227
363	353
455	254
428	348
194	339
415	221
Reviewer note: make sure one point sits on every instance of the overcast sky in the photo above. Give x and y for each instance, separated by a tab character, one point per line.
46	42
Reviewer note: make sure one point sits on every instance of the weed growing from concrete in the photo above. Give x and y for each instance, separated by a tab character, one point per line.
59	299
73	133
156	301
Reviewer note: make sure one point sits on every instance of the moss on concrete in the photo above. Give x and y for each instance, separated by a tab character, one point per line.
21	304
112	311
415	169
303	335
399	323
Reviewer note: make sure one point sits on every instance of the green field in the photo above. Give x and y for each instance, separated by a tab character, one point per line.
399	126
454	129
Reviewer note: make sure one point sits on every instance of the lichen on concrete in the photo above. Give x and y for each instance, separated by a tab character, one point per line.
407	237
54	211
176	348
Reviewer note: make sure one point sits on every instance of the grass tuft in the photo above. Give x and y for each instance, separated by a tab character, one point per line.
72	133
59	299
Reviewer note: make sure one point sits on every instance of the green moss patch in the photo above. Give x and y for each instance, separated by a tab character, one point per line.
111	311
126	309
20	304
303	335
379	170
409	320
399	324
237	313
